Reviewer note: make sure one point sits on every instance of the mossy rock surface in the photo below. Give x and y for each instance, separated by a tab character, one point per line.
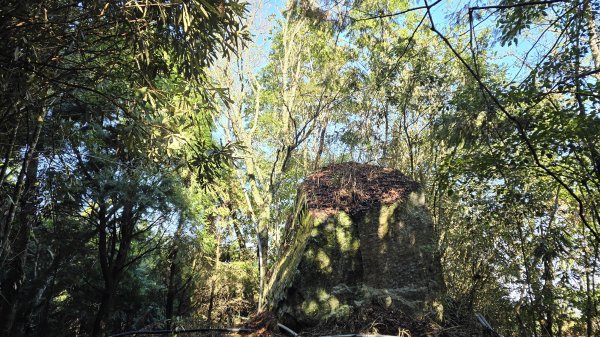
361	237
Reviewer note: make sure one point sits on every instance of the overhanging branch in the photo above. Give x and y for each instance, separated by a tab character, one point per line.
520	129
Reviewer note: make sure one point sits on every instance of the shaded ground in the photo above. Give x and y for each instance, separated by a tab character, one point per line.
381	321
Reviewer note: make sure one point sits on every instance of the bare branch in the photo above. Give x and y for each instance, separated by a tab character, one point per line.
383	16
521	4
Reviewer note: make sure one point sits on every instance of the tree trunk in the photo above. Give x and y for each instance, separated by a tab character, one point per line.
17	259
548	291
19	190
548	276
263	246
174	275
8	153
240	237
321	146
105	265
236	227
112	269
171	288
106	304
40	293
211	302
215	275
38	317
593	33
588	300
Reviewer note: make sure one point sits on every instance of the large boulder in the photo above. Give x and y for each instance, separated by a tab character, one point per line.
360	237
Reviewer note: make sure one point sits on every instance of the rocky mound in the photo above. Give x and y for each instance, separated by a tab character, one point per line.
360	239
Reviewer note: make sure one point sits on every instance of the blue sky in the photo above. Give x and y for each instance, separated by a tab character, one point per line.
268	11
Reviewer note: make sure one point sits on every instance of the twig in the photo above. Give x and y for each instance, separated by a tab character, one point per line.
484	323
410	39
522	4
288	330
382	16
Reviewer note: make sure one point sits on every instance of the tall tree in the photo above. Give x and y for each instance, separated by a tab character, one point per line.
275	113
57	51
532	136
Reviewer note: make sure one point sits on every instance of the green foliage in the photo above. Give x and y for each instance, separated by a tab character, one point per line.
111	182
